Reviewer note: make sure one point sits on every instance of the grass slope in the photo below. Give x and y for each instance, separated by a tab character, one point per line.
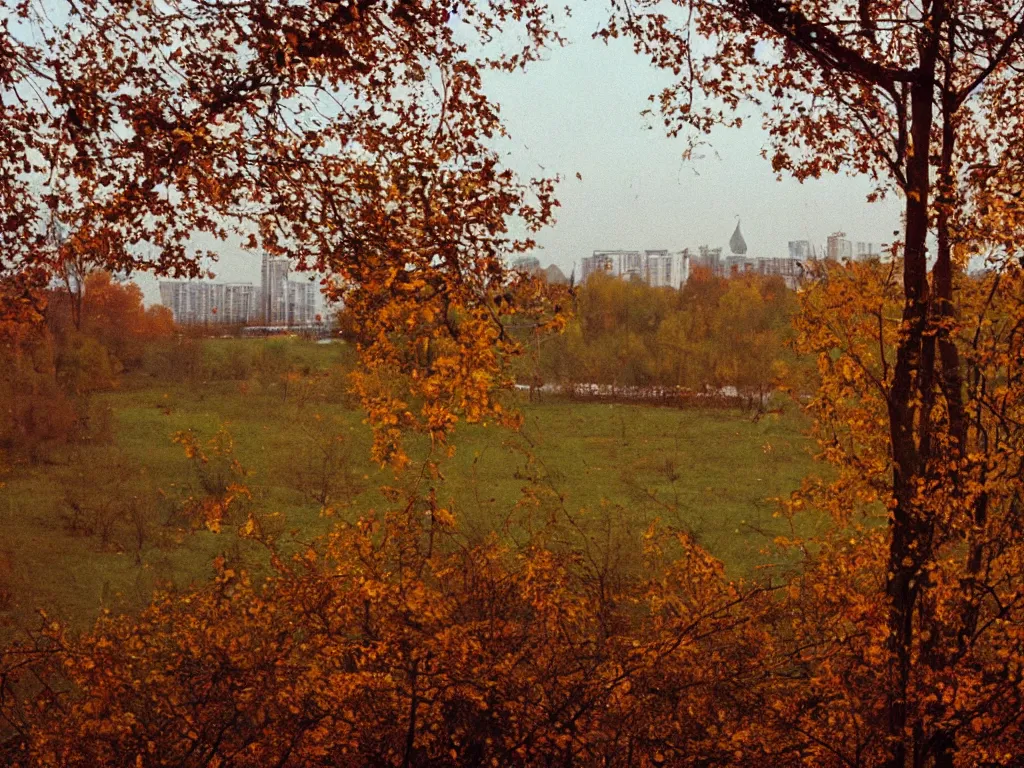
712	472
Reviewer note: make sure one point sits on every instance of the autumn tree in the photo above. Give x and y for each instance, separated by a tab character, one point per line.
352	138
751	333
113	313
918	96
35	409
687	342
921	97
711	333
73	258
374	649
98	501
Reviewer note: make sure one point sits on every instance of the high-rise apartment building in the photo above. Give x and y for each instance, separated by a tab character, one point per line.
801	250
867	251
280	301
600	261
632	265
301	302
274	289
186	300
285	302
531	266
838	248
666	269
708	259
238	306
841	249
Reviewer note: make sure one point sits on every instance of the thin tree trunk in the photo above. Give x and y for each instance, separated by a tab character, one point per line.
905	522
943	743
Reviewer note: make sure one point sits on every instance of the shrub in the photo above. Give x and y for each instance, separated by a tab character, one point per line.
109	498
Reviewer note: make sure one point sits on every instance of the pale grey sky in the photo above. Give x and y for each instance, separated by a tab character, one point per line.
580	111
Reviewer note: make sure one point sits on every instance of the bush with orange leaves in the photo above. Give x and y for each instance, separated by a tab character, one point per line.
394	642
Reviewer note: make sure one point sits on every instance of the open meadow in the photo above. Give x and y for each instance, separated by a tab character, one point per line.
100	526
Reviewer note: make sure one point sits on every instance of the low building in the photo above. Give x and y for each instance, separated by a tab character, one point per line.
528	264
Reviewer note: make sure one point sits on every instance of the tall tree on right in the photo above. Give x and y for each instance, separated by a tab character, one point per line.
924	97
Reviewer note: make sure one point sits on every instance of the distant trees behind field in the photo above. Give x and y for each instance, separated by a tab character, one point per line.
92	332
713	333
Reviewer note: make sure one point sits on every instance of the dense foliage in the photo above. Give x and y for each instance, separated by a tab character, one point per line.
352	136
49	369
712	333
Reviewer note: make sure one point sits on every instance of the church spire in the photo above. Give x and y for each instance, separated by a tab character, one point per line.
736	243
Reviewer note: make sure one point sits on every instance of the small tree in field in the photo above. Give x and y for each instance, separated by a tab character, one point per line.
220	494
110	499
323	468
113	313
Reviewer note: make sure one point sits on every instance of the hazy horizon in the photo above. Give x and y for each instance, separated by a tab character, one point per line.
579	111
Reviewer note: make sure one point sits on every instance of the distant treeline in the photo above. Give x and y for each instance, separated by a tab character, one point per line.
712	335
94	330
94	335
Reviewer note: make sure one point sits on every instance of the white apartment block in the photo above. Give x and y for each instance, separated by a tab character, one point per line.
667	269
280	301
195	302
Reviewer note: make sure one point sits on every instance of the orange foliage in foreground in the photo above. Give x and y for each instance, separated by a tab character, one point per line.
370	650
397	641
355	138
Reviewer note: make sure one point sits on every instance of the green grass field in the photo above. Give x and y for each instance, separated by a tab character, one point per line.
712	472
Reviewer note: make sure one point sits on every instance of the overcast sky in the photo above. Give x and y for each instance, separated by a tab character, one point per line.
580	111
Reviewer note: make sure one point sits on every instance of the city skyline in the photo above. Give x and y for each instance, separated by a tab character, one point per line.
277	301
237	266
582	110
671	268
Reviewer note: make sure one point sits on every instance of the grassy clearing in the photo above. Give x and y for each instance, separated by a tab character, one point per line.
712	472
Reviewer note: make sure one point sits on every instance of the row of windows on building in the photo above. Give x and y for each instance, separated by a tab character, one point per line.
671	269
663	268
276	301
